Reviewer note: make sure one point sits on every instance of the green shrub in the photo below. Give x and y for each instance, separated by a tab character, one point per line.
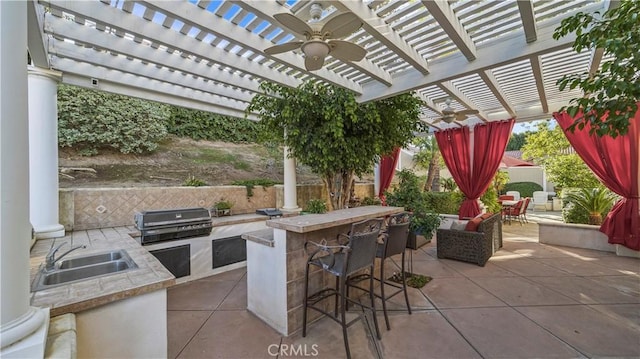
91	120
316	206
444	202
490	200
370	201
194	182
201	125
222	204
586	206
407	193
249	184
526	189
448	184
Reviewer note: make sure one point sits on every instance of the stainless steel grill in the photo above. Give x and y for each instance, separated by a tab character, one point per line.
165	225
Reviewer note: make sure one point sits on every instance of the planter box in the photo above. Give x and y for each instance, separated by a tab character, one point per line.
416	241
220	212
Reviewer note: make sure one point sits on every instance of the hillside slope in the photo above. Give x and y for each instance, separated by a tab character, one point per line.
175	161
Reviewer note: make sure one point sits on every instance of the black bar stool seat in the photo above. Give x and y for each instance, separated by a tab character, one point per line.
342	261
394	241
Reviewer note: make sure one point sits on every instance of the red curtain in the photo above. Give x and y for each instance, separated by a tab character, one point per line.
615	162
387	169
454	147
490	141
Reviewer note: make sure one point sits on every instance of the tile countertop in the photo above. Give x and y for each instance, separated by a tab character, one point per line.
150	275
315	222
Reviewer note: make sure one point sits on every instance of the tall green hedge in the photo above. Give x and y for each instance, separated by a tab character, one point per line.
91	120
526	189
201	125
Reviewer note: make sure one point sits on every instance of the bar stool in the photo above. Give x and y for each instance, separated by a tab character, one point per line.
342	261
394	241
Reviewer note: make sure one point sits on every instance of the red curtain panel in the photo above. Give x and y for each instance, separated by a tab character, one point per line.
615	162
387	169
490	141
454	147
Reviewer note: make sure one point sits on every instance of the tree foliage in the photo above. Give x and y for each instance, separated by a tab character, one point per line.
327	130
615	87
516	141
549	147
202	125
92	120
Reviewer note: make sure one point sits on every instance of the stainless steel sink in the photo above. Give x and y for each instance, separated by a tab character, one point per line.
84	267
91	259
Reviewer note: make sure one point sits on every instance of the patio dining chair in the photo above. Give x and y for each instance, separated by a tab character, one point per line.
394	241
343	261
505	197
515	211
523	212
515	194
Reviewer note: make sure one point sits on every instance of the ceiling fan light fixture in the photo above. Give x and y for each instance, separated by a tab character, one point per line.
315	49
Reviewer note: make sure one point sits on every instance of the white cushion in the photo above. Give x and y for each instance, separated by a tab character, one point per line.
459	225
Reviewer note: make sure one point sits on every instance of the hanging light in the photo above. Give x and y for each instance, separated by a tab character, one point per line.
315	49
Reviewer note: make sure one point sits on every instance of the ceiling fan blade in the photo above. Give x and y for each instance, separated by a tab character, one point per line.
287	46
341	25
346	51
437	120
294	24
469	112
313	63
448	118
460	116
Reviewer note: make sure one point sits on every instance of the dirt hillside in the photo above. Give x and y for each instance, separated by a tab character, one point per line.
175	161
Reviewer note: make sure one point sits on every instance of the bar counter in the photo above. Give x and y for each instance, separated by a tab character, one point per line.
276	262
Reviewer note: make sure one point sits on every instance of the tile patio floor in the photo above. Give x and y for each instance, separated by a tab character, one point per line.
529	301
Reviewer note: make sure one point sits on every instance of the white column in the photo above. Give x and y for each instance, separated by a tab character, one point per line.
290	185
22	328
43	153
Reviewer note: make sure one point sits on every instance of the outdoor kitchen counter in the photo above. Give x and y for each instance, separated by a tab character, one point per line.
79	296
276	262
315	222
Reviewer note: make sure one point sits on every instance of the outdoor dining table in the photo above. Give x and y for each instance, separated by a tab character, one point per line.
507	207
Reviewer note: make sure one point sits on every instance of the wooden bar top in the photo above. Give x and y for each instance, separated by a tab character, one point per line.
314	222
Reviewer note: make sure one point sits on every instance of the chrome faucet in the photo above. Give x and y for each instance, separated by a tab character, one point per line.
50	261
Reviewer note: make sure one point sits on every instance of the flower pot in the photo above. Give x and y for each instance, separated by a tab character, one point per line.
221	212
417	240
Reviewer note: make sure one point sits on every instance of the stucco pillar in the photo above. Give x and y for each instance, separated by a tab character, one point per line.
290	184
376	179
22	328
43	153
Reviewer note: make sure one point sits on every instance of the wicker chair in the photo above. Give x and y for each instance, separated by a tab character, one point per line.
474	247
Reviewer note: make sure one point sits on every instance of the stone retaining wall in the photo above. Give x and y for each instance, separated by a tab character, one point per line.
88	208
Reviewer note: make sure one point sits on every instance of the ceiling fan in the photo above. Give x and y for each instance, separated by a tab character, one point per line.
321	39
449	114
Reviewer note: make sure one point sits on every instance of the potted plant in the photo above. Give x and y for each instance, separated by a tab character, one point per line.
423	223
221	208
409	195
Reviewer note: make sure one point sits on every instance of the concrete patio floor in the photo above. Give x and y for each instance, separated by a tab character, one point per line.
529	301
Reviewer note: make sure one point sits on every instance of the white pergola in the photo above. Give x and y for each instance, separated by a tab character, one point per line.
498	57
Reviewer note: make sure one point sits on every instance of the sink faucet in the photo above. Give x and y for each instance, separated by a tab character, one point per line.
51	256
